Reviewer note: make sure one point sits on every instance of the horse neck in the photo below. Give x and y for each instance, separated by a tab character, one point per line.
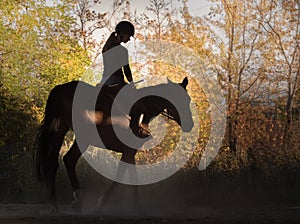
154	106
152	102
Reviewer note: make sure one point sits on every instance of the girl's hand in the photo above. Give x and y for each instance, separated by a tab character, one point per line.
132	85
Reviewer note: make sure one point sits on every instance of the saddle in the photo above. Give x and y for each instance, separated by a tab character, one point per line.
135	116
110	92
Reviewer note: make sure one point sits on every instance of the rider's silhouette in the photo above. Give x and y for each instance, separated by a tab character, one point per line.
116	56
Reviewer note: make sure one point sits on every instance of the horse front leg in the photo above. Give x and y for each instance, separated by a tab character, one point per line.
134	180
127	157
70	161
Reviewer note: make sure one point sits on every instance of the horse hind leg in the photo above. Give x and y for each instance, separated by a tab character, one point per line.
57	141
70	161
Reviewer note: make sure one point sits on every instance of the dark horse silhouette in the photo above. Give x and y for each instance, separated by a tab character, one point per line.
59	119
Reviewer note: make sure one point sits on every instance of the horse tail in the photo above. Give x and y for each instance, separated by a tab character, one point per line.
50	138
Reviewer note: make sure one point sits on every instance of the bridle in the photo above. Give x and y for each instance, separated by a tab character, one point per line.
165	112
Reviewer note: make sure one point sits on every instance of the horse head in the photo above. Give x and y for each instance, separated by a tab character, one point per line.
171	100
181	112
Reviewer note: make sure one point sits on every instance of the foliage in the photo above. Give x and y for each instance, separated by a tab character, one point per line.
37	50
254	56
250	47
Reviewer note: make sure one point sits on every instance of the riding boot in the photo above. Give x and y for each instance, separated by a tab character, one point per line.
137	128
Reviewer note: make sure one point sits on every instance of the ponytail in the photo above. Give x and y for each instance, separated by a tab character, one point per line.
113	34
111	42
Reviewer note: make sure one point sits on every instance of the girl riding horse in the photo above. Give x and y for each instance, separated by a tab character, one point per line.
116	65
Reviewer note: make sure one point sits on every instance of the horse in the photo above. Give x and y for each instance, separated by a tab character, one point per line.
59	117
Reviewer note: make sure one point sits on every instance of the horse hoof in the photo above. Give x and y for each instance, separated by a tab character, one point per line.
77	202
76	206
54	210
142	212
97	211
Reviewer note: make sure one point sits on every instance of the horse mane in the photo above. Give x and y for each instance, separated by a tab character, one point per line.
158	86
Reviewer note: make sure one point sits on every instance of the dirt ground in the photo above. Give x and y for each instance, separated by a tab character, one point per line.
39	213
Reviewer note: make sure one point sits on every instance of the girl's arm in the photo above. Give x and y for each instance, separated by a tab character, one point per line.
127	72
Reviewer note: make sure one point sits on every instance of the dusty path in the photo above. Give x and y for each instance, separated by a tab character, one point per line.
38	213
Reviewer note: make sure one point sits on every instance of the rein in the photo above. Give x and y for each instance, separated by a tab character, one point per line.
166	114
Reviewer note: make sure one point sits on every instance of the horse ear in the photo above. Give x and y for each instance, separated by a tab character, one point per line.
185	82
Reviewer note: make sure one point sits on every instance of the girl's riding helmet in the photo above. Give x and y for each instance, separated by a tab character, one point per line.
125	27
